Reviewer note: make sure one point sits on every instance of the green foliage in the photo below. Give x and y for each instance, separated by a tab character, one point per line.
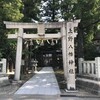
89	38
67	8
87	11
51	10
10	10
90	51
31	10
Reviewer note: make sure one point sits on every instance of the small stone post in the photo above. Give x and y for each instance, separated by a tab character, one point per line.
80	65
4	66
97	63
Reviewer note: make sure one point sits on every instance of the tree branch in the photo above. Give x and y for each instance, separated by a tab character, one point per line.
92	23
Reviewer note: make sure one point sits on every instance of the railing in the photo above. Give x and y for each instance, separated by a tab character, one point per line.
90	68
3	66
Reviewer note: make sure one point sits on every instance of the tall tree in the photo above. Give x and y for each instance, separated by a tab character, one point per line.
67	8
87	11
50	10
9	11
31	10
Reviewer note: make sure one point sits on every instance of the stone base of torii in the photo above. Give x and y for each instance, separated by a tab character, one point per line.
67	35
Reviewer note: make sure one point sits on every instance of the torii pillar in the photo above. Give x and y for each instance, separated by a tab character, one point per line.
19	53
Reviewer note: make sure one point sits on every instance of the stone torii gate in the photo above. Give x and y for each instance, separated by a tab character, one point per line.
66	34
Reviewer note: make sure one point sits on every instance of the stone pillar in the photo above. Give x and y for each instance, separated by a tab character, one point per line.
88	68
80	60
97	64
4	66
18	54
63	39
70	35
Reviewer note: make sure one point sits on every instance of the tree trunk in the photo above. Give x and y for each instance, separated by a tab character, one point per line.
80	44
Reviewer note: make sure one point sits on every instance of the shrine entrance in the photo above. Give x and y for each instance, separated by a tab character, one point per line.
47	59
66	34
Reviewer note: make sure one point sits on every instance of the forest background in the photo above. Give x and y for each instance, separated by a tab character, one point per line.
52	11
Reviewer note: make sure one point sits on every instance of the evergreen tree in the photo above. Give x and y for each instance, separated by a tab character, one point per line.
31	10
9	11
50	10
67	9
87	11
